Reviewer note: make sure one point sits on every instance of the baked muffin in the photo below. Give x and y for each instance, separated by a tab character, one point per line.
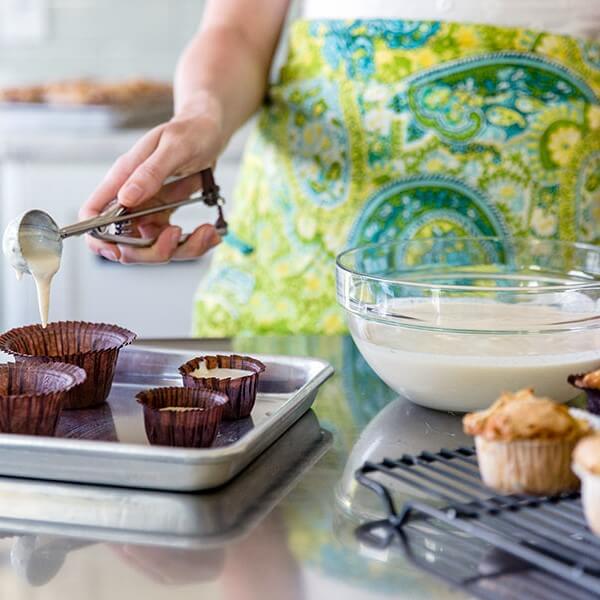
525	443
586	463
590	384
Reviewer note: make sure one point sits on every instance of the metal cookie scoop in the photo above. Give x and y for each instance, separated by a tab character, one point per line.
36	231
32	232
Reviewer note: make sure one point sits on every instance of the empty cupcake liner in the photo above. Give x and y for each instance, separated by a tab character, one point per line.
32	395
539	467
241	391
195	428
92	346
593	395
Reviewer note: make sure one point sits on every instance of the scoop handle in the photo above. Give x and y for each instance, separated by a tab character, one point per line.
209	195
102	221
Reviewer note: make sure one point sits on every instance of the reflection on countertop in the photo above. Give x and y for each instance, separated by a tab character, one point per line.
297	504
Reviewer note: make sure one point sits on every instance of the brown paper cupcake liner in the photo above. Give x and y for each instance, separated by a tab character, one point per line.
539	467
593	395
590	497
32	395
189	428
92	346
241	391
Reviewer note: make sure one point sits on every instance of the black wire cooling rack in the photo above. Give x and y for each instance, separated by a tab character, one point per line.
493	546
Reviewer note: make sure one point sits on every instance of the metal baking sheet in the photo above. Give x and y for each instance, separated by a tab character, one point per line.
183	520
108	445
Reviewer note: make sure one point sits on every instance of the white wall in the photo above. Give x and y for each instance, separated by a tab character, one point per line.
102	38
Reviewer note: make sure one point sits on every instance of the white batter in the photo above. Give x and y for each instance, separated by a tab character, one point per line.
457	371
219	372
43	264
180	408
32	244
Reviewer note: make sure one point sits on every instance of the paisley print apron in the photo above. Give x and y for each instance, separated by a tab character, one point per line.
381	130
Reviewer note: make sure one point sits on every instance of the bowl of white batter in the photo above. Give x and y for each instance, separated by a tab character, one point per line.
450	323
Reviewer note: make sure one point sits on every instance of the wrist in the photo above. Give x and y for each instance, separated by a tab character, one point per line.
200	103
202	113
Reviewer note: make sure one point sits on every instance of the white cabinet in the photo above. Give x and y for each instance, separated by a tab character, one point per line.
56	173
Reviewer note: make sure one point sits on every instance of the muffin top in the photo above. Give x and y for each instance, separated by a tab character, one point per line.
589	380
587	454
524	416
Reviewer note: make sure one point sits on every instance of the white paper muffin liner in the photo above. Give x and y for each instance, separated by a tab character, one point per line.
539	467
590	497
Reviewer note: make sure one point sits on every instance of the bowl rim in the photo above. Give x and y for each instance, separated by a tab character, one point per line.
595	284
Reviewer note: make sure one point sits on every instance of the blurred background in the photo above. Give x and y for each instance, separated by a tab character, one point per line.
54	153
42	39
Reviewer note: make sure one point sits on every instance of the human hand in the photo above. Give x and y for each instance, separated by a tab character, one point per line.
182	147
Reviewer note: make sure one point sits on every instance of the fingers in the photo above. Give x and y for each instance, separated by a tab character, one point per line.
160	252
105	249
151	229
176	147
119	173
165	248
199	242
151	226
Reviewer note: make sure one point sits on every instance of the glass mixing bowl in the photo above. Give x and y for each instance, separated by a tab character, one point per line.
451	323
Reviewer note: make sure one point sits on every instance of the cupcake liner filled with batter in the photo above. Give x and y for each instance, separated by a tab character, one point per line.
234	375
178	416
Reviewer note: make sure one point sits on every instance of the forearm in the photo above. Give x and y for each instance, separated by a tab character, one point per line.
219	74
224	70
220	81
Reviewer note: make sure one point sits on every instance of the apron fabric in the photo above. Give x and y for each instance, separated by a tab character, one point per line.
384	130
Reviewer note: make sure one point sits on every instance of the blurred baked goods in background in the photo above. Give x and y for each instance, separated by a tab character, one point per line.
85	105
32	93
78	92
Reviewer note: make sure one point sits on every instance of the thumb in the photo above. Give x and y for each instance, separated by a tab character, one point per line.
149	177
144	182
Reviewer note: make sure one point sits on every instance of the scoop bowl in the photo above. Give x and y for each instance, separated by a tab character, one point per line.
42	233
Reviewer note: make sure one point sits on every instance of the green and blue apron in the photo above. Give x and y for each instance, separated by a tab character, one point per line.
387	129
